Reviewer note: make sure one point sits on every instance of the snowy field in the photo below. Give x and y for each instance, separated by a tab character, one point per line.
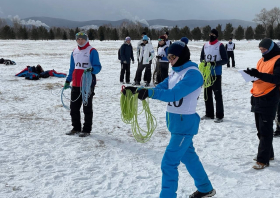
38	160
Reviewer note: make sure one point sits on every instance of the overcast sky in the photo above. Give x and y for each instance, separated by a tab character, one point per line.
86	10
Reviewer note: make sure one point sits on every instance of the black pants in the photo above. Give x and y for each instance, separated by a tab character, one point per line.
125	70
264	124
208	97
278	117
230	54
75	106
162	71
148	72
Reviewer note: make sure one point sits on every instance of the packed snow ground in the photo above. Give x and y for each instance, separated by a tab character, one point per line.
37	159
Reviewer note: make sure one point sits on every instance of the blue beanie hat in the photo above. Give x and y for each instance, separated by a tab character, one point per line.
185	40
145	38
176	48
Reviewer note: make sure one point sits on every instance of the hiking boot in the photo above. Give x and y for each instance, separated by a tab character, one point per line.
218	120
198	194
136	83
84	134
255	158
276	133
260	165
147	84
206	117
72	132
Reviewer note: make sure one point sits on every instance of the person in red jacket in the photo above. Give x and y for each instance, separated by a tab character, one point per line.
84	58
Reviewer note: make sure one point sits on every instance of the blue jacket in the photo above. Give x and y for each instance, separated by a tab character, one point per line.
223	61
176	123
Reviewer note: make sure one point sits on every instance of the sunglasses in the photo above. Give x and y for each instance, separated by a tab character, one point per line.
171	57
160	39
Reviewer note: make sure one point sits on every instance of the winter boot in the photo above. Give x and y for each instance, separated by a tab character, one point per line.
206	117
84	134
260	165
218	120
136	83
147	84
72	132
198	194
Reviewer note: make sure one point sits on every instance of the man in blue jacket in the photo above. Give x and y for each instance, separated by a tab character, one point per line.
84	58
126	54
215	53
180	90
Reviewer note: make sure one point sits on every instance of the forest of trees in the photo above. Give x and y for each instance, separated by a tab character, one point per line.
268	26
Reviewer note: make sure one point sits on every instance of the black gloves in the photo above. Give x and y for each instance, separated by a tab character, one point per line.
253	72
132	89
143	94
213	63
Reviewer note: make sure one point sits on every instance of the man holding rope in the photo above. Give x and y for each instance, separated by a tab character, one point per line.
181	91
84	59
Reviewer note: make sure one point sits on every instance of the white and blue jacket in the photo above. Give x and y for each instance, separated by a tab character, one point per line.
181	90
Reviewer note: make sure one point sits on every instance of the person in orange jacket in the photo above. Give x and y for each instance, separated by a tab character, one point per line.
265	98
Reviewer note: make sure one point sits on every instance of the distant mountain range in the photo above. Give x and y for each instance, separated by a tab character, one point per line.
156	23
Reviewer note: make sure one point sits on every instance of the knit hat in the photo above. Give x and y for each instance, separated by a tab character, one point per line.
162	38
185	40
266	43
127	38
145	38
214	31
81	35
166	33
176	48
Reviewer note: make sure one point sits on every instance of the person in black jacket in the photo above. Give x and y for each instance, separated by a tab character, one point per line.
265	98
126	53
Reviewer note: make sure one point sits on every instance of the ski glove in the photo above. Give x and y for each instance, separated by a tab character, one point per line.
66	85
252	72
213	63
132	89
143	94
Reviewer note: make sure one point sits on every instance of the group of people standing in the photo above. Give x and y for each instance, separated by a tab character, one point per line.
181	89
145	54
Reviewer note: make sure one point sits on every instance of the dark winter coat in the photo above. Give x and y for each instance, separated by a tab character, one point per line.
126	53
267	104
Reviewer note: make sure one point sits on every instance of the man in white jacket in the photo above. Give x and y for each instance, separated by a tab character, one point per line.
146	55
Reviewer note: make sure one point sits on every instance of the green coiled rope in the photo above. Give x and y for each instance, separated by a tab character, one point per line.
208	78
129	114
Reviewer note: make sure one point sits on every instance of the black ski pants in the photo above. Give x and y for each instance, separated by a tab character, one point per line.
230	54
162	71
125	69
148	72
264	124
76	97
208	97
